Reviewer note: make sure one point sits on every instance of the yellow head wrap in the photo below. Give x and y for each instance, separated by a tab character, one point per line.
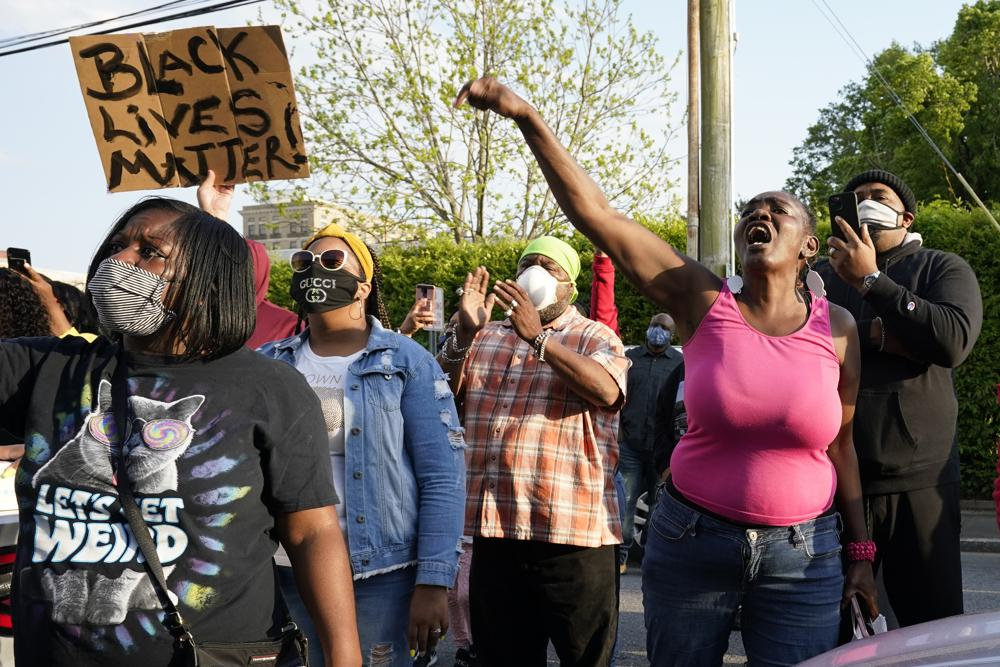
357	246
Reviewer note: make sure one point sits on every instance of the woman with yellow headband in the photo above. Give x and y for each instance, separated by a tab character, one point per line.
396	448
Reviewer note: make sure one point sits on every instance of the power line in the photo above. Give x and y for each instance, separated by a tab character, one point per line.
227	4
845	34
37	36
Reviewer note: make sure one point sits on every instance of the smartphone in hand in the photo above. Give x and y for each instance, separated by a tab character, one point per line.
17	258
844	205
435	300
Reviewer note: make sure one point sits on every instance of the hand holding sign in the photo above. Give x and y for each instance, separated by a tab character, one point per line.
215	199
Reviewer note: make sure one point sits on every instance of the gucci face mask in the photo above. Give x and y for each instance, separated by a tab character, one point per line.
320	290
128	299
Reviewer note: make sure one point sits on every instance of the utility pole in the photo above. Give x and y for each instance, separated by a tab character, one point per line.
694	127
715	221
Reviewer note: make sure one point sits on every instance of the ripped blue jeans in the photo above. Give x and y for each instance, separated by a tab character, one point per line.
382	603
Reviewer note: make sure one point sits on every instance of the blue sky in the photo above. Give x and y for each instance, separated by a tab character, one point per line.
788	63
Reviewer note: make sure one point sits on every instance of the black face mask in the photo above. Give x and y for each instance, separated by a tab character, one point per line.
318	290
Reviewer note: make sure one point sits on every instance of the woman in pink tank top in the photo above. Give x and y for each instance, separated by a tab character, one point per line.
766	475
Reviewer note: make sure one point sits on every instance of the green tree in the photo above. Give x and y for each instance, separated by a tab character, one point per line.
866	128
384	139
972	54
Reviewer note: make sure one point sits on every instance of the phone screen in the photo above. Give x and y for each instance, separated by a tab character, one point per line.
425	291
17	258
844	205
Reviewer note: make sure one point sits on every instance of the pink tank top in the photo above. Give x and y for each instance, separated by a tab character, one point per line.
762	411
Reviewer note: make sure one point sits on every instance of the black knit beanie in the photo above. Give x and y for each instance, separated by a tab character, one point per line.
892	180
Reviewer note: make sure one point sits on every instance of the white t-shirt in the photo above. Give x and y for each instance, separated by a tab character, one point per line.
328	378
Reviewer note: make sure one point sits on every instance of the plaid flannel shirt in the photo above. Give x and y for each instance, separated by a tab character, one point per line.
541	460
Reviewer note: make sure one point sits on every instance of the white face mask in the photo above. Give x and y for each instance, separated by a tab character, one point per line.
540	286
876	213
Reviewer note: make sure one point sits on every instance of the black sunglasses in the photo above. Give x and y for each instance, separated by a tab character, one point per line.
331	260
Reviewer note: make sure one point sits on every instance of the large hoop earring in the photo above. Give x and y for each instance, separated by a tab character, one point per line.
361	310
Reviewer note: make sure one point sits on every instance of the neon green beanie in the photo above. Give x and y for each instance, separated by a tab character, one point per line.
561	253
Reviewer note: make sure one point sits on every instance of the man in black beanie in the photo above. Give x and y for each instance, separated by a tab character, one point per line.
919	312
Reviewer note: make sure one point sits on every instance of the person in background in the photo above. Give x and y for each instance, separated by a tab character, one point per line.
394	445
60	325
919	313
602	291
652	364
772	374
541	392
22	312
273	321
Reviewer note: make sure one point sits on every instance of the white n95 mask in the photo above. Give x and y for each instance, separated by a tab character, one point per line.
540	286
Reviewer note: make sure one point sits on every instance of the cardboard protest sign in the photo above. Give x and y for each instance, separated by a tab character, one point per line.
167	107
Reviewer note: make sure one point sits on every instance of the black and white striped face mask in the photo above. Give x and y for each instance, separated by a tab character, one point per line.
128	299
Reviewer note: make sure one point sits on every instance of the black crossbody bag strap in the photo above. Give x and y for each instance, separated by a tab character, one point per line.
119	403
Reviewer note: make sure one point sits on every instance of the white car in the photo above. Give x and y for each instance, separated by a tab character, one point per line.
972	639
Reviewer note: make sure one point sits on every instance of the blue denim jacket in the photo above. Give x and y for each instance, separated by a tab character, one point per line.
405	458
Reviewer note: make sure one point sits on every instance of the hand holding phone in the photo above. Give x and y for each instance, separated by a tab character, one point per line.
434	298
17	258
844	205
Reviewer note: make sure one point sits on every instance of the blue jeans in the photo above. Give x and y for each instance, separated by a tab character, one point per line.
639	475
382	604
697	571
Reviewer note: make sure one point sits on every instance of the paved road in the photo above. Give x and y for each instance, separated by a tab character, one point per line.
981	573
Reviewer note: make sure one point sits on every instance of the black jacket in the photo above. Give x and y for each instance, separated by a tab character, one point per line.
904	426
646	378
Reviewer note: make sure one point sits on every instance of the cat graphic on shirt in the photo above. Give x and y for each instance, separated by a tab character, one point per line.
159	434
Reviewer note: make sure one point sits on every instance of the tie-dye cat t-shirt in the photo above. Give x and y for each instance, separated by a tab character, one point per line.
213	450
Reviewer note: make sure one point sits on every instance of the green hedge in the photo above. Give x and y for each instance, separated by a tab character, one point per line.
441	262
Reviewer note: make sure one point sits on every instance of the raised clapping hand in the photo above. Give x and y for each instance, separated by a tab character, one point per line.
476	303
489	94
215	199
518	307
854	258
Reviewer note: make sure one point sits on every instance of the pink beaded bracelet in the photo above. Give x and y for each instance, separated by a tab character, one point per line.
858	551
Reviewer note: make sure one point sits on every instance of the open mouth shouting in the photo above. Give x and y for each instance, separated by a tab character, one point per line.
758	235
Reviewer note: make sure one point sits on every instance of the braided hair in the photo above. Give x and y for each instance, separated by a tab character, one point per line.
374	303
